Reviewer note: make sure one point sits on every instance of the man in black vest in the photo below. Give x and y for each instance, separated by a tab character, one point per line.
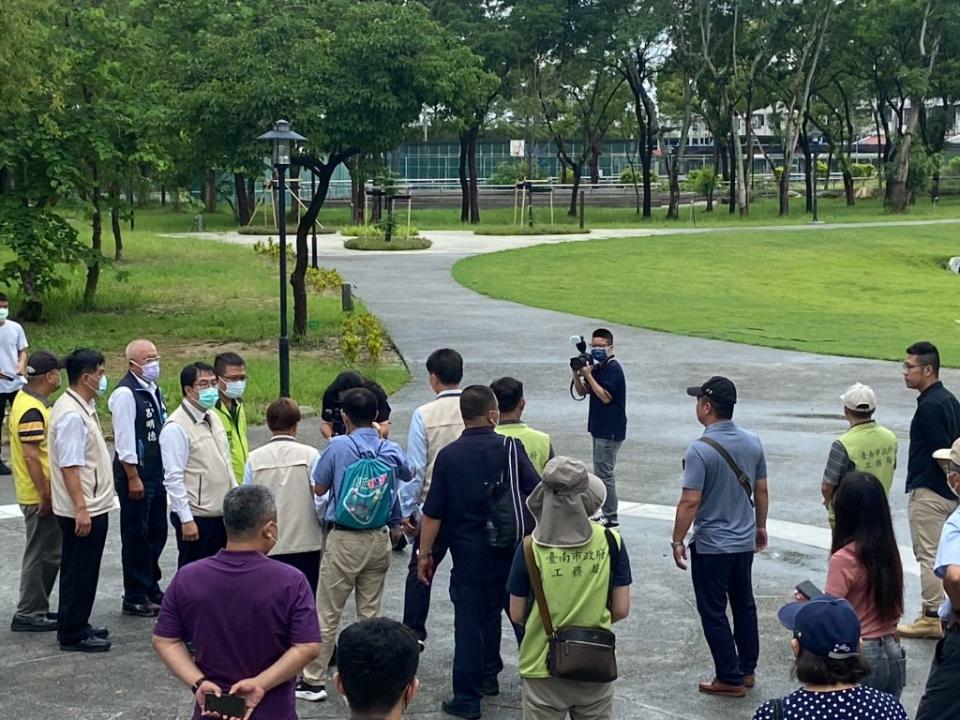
138	414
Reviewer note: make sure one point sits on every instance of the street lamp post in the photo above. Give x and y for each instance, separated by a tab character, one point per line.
281	135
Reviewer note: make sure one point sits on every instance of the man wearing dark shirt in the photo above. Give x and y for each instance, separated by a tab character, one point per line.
456	509
935	425
252	619
607	420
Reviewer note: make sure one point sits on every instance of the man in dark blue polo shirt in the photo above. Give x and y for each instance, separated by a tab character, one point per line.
935	425
607	420
456	510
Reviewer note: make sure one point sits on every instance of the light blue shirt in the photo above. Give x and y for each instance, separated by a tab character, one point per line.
725	522
948	553
417	461
341	452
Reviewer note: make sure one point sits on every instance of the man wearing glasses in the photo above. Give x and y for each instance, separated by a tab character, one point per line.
231	382
138	413
603	381
197	471
935	425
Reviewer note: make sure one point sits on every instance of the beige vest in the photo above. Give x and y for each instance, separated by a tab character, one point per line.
283	465
208	475
96	473
443	424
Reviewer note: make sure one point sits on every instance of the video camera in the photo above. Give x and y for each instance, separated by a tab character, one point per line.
578	362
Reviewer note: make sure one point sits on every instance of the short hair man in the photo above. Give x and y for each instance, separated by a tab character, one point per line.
433	426
138	413
82	490
13	362
197	471
457	510
363	504
935	425
377	668
607	419
729	515
866	446
940	697
511	403
231	373
253	620
29	456
286	467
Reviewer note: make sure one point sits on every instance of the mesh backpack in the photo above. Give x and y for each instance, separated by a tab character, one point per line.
366	494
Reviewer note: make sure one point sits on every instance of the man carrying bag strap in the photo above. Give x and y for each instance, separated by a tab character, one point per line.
580	576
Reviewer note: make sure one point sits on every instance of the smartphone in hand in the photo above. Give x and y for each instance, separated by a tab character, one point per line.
809	590
229	706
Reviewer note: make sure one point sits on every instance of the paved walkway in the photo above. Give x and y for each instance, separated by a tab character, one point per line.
791	399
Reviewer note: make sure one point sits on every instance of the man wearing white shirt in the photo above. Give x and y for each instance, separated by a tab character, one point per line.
197	469
138	415
81	484
13	362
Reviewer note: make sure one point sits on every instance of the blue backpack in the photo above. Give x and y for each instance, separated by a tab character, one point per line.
367	493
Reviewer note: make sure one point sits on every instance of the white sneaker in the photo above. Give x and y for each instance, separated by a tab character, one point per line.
313	693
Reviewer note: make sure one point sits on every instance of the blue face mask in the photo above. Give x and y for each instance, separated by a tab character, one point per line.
208	397
102	386
235	388
599	354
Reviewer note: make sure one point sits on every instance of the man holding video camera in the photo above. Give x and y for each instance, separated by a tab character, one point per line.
599	375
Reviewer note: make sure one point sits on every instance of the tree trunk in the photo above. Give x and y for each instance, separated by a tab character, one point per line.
785	191
163	195
594	165
732	200
576	169
96	242
115	222
243	200
646	165
462	175
474	189
848	188
803	139
716	171
358	190
563	169
826	175
210	190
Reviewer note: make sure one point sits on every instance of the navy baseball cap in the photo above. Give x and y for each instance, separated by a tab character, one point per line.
718	388
825	626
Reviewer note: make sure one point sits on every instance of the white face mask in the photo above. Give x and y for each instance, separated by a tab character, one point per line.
4	314
952	487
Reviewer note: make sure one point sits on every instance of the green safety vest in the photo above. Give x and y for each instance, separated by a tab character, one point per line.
236	427
575	584
535	442
871	448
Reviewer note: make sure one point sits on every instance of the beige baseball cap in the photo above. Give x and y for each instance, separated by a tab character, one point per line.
860	397
951	453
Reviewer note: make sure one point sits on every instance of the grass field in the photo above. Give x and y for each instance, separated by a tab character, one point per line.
194	299
864	293
764	211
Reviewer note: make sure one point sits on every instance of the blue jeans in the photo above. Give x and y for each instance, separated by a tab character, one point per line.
604	461
888	665
717	579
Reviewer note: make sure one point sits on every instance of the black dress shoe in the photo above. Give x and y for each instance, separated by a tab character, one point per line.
4	470
156	598
90	644
490	688
147	609
32	623
452	707
99	632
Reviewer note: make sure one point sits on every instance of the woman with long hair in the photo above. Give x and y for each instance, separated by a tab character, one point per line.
865	569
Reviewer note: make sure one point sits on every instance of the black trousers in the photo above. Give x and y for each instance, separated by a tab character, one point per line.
6	399
79	575
940	698
213	539
143	535
306	562
717	579
477	609
416	596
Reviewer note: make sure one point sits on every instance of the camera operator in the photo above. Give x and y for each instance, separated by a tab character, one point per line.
331	421
602	379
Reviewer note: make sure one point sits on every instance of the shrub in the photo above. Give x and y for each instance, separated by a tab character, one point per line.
953	166
510	172
399	242
822	169
271	249
626	177
702	181
361	331
862	170
322	279
374	232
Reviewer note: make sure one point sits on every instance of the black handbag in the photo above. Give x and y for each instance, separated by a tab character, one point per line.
587	654
506	521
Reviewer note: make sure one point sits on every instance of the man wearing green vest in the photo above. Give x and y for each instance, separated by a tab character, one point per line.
231	382
866	446
510	399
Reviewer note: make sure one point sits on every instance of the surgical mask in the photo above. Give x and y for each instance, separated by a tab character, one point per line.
150	371
102	386
599	354
208	397
4	314
234	389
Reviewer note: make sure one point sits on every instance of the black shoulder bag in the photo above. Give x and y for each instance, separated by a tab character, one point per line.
741	476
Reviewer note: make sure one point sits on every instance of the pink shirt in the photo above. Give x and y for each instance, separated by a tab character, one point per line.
847	578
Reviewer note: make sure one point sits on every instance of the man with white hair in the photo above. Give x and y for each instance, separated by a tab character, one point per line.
866	446
138	413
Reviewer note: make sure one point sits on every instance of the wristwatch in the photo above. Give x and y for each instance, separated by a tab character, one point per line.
198	683
675	545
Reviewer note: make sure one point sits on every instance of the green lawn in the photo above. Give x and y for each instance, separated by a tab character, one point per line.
865	293
764	211
194	299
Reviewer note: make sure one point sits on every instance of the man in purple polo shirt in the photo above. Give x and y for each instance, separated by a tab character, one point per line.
252	619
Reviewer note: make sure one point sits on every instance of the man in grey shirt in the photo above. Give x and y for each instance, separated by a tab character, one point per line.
728	510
